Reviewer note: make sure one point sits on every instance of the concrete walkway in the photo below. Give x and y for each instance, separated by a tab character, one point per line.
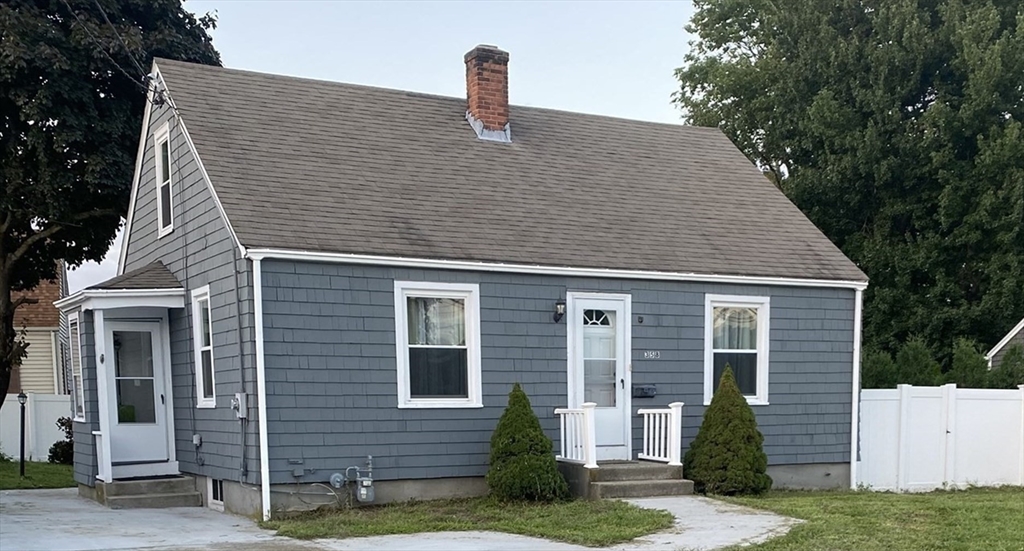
58	520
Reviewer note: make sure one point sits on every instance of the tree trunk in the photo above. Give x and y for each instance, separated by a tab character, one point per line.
12	349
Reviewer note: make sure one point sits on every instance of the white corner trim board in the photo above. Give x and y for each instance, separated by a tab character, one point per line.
855	404
261	388
472	265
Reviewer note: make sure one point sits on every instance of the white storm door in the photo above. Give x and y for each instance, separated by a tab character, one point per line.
137	397
598	358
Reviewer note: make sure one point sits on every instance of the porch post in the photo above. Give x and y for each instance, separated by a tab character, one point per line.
589	436
104	468
675	435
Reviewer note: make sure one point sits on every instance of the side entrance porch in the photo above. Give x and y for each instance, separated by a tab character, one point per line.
123	393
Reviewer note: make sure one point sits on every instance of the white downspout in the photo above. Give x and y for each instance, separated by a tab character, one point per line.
855	409
261	388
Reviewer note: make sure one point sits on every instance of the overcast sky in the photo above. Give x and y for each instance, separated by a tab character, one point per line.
608	58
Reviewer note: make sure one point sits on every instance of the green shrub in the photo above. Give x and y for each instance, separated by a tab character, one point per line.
727	457
970	369
877	369
522	463
916	366
1010	372
63	451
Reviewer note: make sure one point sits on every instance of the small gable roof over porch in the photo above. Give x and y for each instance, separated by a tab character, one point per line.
152	285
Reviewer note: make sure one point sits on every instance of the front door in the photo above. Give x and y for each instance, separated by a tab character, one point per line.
598	366
138	400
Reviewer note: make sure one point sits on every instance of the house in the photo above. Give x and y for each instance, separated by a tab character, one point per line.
317	278
42	369
1014	338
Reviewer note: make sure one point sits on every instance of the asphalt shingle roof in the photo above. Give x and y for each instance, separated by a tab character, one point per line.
151	276
321	166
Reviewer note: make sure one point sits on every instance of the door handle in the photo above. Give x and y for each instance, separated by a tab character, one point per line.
161	399
623	383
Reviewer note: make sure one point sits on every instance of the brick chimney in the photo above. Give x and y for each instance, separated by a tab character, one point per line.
487	93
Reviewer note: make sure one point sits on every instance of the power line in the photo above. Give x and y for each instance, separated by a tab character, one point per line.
99	45
142	72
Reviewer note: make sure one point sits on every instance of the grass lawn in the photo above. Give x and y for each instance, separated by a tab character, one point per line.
976	519
37	475
594	523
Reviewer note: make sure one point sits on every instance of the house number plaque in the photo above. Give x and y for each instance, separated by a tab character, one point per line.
652	354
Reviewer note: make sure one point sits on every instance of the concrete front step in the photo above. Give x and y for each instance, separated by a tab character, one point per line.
640	488
635	470
155	501
170	485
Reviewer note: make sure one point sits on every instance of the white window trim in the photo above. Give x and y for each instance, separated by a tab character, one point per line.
160	136
471	294
77	388
202	293
763	305
215	504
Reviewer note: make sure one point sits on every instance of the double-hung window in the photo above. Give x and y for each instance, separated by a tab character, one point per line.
77	391
164	193
202	335
437	328
736	335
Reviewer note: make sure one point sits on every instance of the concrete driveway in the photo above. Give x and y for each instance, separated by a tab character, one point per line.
58	520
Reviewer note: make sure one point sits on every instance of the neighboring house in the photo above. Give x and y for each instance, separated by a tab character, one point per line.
42	369
314	272
1014	337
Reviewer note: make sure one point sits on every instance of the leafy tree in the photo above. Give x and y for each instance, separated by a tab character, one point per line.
522	462
727	457
72	100
896	127
878	370
970	369
916	366
1010	372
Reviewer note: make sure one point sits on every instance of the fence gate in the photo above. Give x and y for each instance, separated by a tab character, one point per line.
924	438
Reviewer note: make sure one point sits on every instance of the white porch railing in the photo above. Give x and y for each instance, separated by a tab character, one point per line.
663	434
579	440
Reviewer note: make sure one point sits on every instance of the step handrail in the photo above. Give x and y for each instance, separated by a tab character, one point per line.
663	434
578	435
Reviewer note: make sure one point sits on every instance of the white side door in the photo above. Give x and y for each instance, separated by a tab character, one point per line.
599	352
137	397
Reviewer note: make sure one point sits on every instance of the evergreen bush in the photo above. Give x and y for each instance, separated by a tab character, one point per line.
970	368
727	457
1010	372
916	366
63	451
522	462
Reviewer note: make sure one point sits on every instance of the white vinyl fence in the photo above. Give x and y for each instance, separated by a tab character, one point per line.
41	414
925	438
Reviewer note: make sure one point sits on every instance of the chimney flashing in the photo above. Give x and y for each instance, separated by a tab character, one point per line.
504	135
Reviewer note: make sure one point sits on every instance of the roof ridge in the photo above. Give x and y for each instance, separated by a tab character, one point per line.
276	76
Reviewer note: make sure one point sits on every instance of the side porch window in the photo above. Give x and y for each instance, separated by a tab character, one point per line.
202	334
736	334
437	335
77	390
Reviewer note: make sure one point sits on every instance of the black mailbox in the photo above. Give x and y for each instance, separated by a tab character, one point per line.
645	391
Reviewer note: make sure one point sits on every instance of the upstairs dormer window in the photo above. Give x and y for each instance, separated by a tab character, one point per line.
164	195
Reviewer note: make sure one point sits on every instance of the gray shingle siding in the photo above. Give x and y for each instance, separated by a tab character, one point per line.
1016	340
329	343
200	251
86	467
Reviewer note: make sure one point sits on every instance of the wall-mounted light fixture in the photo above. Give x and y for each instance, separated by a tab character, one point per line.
559	310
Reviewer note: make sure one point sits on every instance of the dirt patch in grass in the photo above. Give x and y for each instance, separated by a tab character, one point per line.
976	519
37	475
593	523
